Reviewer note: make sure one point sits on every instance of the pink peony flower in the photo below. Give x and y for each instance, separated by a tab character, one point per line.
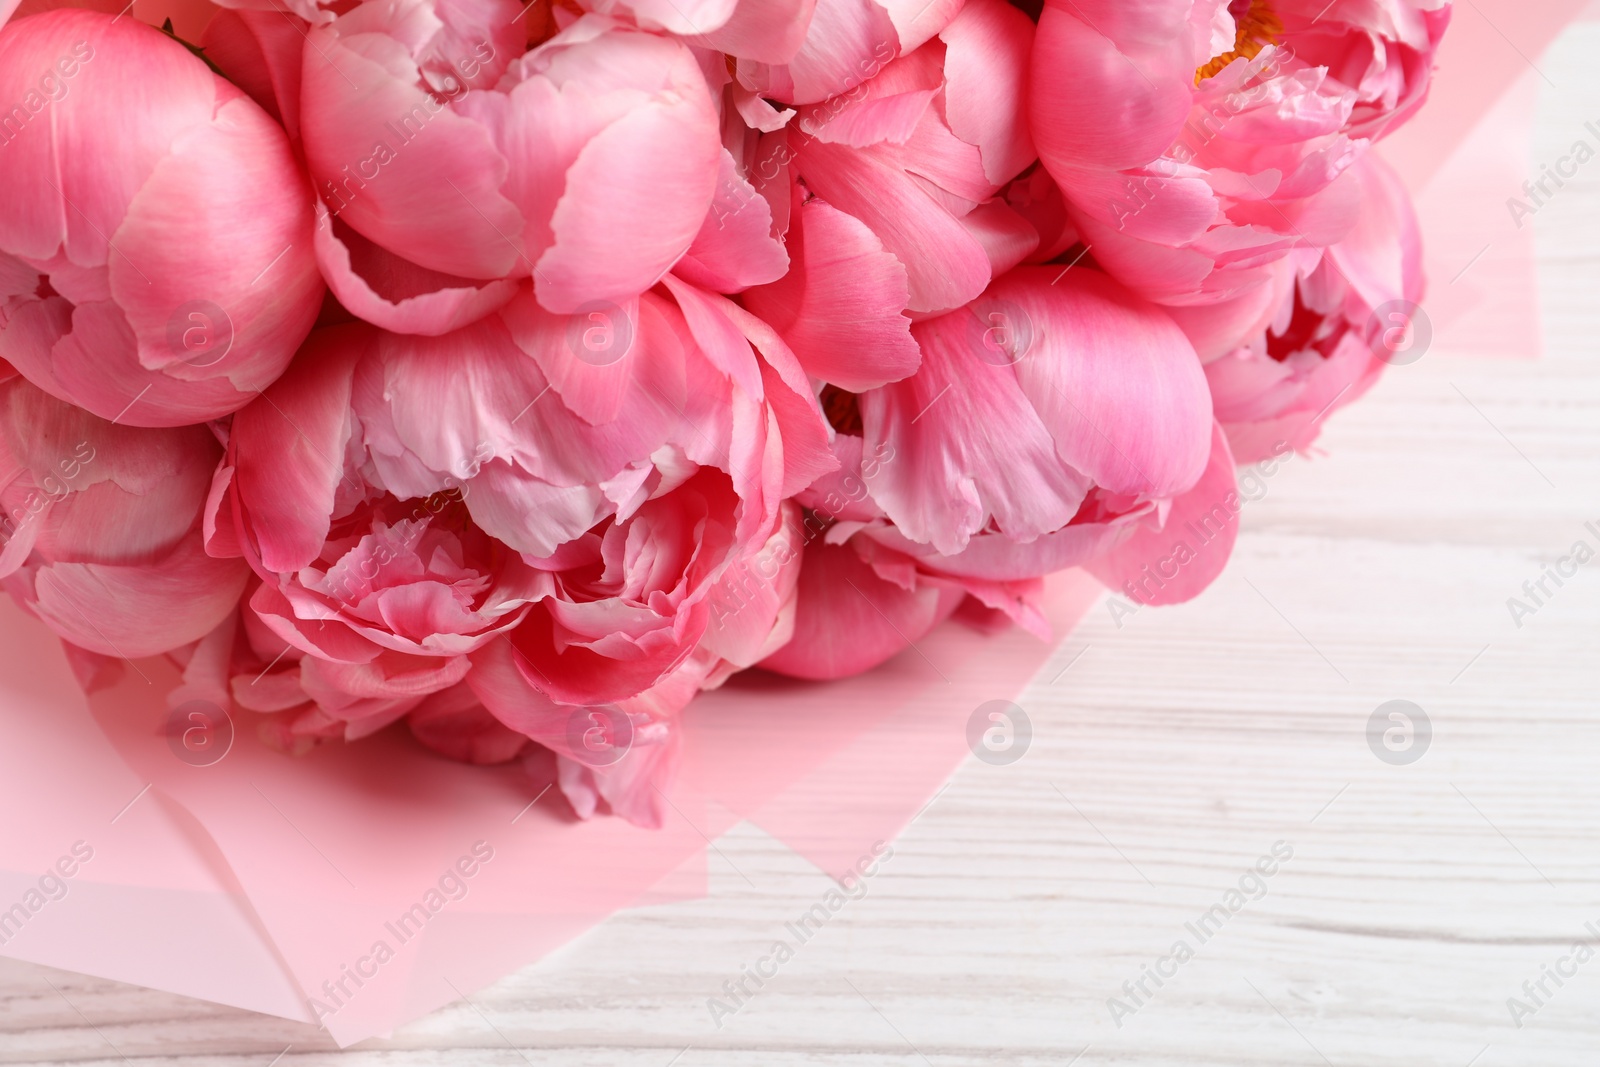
156	265
1325	331
311	699
372	600
449	163
912	158
737	430
1106	419
805	51
1099	393
625	751
518	507
102	526
1197	143
1384	51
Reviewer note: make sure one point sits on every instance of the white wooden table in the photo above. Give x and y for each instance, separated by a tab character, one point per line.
1168	759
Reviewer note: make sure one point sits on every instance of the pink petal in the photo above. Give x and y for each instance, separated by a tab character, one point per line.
264	276
996	558
947	474
1007	238
260	52
424	181
1120	64
1381	256
1165	204
136	611
636	197
455	402
591	360
458	727
946	266
1155	271
841	494
114	61
96	366
578	674
1219	328
849	620
767	31
505	690
987	49
388	676
1177	560
735	248
1036	197
111	494
752	607
886	107
307	632
847	42
793	403
719	340
681	17
394	293
288	449
220	529
633	787
1114	379
953	166
918	21
840	307
531	515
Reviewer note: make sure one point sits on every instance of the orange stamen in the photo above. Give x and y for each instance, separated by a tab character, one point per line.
1258	27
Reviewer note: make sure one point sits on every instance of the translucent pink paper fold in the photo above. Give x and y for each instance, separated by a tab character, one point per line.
364	885
155	903
1464	156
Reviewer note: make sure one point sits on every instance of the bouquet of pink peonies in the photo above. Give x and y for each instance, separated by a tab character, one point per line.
516	373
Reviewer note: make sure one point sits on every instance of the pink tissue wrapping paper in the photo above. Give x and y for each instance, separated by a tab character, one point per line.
254	881
1463	155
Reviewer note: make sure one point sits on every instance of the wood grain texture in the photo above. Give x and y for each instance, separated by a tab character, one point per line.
1178	748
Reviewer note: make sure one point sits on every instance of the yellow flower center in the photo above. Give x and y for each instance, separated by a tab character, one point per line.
1256	25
